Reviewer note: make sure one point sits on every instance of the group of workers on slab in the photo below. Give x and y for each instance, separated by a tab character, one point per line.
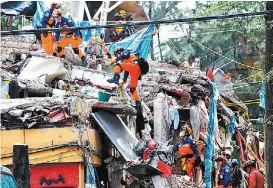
121	59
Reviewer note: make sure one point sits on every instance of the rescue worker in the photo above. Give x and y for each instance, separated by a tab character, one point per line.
224	176
136	67
237	175
125	57
187	149
65	38
49	22
255	179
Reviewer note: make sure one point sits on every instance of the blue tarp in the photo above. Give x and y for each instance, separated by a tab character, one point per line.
139	42
26	8
88	33
211	138
41	8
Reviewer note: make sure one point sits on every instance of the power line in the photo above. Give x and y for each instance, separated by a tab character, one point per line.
158	22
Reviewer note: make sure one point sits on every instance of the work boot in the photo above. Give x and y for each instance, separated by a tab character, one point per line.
115	79
84	61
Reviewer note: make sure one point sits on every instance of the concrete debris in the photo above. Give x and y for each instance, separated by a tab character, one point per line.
176	105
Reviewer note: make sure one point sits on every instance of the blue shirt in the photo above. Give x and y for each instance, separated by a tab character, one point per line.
225	176
65	22
189	141
46	17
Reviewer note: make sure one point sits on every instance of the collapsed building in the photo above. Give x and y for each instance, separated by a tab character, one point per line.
78	138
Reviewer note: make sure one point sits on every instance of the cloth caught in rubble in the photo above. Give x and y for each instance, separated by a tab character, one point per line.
202	106
196	119
174	116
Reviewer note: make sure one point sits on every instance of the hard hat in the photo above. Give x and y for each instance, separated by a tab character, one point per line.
57	13
234	163
221	158
122	12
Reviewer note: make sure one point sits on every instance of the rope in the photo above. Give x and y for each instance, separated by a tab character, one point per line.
231	60
183	20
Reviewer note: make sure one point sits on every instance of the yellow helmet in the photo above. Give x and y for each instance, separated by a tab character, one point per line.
122	12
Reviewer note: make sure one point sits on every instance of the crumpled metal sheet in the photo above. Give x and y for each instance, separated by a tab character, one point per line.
118	132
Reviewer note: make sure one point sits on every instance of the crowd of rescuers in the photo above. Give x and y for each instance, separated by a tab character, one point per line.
228	172
121	59
53	18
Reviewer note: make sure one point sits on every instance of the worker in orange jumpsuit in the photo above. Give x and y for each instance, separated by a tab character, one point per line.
187	149
48	22
125	57
255	179
65	38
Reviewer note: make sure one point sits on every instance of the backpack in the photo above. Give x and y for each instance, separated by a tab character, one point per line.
144	66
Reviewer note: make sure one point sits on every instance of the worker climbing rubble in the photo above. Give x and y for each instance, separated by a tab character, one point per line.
125	57
187	149
255	179
224	175
48	22
65	38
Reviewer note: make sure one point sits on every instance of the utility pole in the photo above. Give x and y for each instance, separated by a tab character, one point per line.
21	169
268	67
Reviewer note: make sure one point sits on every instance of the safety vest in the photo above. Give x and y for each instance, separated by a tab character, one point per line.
185	150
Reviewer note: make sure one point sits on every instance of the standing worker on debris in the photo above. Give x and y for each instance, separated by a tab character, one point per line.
65	38
188	151
237	175
224	176
49	22
255	179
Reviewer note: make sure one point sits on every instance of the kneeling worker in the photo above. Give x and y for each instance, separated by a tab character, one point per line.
64	38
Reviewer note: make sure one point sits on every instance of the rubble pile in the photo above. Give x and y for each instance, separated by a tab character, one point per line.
64	94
